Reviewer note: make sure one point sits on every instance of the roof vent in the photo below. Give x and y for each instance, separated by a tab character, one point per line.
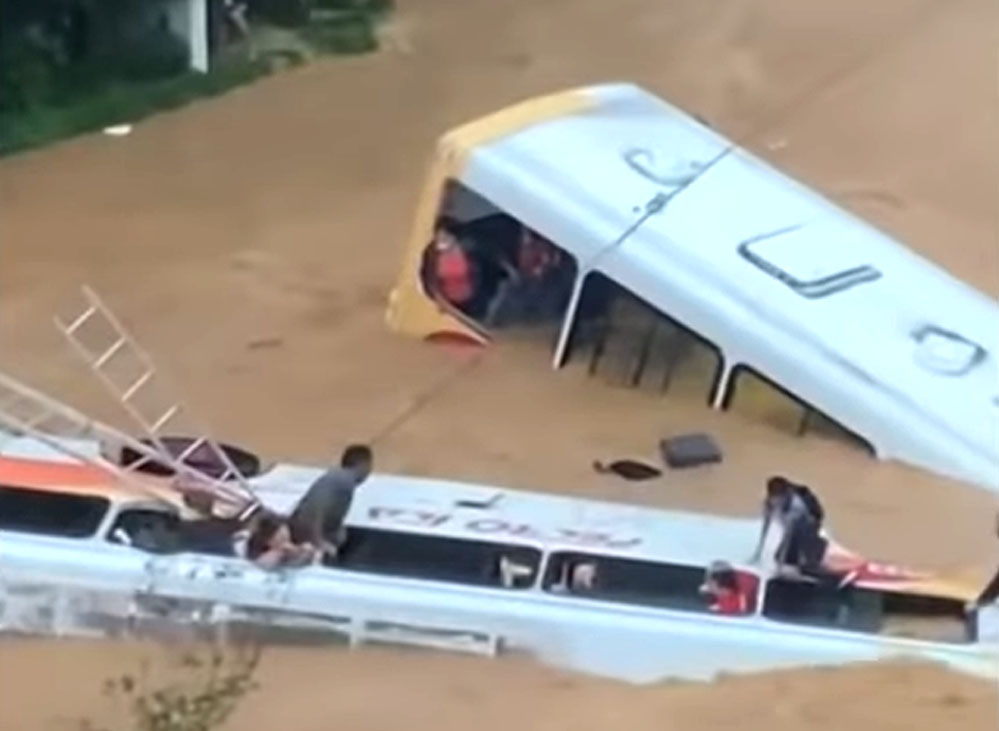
662	169
946	352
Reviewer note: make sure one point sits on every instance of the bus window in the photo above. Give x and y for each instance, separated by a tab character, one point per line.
489	267
629	342
760	399
628	581
822	603
50	513
154	531
439	559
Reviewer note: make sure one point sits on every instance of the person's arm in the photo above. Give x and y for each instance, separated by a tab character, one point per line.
764	529
270	559
317	520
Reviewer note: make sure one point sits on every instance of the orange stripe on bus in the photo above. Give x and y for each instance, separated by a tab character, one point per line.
46	473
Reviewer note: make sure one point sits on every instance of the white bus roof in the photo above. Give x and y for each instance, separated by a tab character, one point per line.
440	507
779	278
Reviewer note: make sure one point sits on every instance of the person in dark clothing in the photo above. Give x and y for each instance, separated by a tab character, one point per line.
318	517
800	514
209	533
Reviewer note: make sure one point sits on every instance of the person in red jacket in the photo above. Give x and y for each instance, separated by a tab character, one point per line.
731	592
450	272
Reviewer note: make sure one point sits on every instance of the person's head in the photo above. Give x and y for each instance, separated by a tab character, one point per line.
359	459
269	531
720	576
779	490
444	233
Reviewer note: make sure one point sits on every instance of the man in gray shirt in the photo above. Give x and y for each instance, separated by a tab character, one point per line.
318	517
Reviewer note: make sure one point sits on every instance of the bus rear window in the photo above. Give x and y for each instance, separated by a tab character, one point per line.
50	513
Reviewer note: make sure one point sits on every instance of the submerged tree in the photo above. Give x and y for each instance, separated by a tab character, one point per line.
212	684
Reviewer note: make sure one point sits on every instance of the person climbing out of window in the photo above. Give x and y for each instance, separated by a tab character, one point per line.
319	516
270	545
800	514
730	592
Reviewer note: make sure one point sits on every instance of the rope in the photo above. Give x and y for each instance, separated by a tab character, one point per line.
426	397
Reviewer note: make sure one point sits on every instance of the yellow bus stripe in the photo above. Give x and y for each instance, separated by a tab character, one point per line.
409	309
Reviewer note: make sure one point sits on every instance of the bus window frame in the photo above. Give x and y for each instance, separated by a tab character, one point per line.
548	580
500	548
813	289
99	527
883	595
721	373
808	412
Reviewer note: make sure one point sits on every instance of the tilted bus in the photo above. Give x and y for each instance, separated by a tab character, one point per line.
687	256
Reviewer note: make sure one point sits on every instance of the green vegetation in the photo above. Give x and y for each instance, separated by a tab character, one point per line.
118	101
74	66
212	684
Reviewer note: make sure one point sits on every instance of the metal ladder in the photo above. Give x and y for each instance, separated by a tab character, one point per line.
118	346
25	411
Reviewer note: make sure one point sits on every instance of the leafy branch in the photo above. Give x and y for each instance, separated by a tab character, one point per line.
211	689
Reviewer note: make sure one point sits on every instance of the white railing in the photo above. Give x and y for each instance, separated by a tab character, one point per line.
30	607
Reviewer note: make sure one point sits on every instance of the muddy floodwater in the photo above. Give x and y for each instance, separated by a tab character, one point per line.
251	241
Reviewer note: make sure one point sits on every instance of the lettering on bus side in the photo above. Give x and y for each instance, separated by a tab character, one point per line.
498	526
405	516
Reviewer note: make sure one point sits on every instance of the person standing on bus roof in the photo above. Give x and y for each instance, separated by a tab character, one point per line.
800	514
318	518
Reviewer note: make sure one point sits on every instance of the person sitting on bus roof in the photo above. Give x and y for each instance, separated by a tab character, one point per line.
731	592
270	545
800	514
319	516
210	533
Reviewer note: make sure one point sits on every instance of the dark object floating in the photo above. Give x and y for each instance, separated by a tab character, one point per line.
261	343
203	459
629	469
690	450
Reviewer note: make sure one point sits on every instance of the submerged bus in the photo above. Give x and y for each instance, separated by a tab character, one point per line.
608	589
678	259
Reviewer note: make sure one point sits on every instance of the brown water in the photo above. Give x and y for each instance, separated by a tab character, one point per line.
278	212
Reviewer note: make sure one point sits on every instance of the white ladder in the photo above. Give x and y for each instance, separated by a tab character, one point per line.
117	345
25	411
